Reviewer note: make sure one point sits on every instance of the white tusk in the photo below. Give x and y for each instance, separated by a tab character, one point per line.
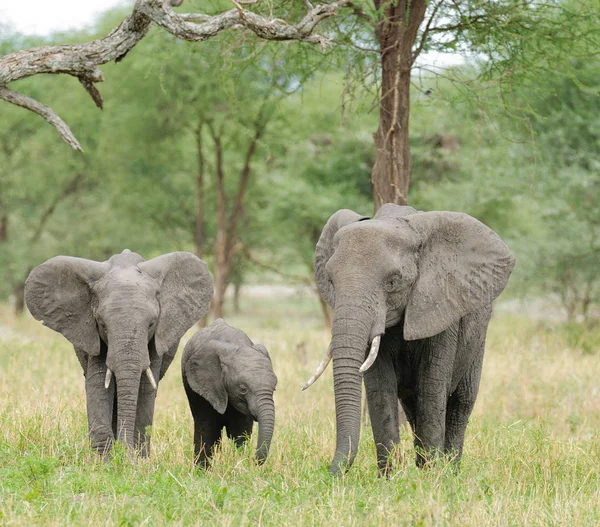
151	378
372	354
107	378
320	369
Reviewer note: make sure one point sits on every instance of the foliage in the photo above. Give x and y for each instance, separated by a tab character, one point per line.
524	160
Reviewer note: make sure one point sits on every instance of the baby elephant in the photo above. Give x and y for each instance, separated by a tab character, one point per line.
229	382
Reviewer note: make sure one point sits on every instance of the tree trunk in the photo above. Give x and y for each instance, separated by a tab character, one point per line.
3	228
199	234
237	287
221	283
396	33
19	292
227	236
392	169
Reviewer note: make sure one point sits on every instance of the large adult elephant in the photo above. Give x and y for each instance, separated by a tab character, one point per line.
125	318
417	287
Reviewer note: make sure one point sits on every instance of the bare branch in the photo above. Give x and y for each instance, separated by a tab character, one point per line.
88	84
69	190
425	34
37	107
358	11
299	278
82	60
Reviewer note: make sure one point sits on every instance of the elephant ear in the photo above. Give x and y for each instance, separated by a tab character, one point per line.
204	373
58	292
324	250
186	288
463	265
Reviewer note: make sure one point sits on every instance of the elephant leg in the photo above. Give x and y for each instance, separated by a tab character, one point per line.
239	429
207	436
207	427
435	375
100	405
409	405
460	406
381	386
145	411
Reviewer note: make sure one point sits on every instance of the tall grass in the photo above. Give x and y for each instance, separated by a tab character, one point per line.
532	454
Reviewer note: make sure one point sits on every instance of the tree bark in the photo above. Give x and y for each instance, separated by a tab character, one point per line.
396	32
221	261
19	293
237	287
3	227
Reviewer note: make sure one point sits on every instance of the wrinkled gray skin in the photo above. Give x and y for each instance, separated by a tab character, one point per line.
425	280
229	382
125	314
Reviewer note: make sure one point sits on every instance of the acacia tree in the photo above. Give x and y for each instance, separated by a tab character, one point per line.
512	40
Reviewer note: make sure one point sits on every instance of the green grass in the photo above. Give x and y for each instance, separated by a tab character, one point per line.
532	454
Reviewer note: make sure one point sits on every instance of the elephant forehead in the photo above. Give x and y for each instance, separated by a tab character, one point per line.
376	236
128	281
254	367
125	259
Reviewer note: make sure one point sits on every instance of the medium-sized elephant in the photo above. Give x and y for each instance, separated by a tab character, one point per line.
415	287
229	382
125	318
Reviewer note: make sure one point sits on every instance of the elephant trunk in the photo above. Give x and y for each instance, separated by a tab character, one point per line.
266	423
350	335
128	368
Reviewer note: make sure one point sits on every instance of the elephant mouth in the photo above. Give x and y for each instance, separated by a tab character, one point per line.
148	372
373	352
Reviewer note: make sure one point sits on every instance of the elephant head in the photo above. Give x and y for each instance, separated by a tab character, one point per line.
425	270
130	309
240	376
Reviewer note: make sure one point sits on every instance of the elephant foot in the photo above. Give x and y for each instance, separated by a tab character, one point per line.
426	457
385	468
103	447
101	440
202	463
387	458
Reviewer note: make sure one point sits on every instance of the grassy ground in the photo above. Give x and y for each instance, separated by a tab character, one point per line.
532	455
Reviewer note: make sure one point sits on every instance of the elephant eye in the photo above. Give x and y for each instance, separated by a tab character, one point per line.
393	283
243	389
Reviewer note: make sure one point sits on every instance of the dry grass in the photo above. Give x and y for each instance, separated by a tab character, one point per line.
531	456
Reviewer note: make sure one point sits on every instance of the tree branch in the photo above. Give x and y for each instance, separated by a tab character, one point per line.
296	277
359	13
69	189
37	107
82	60
425	34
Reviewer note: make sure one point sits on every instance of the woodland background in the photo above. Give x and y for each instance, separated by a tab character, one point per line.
240	149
